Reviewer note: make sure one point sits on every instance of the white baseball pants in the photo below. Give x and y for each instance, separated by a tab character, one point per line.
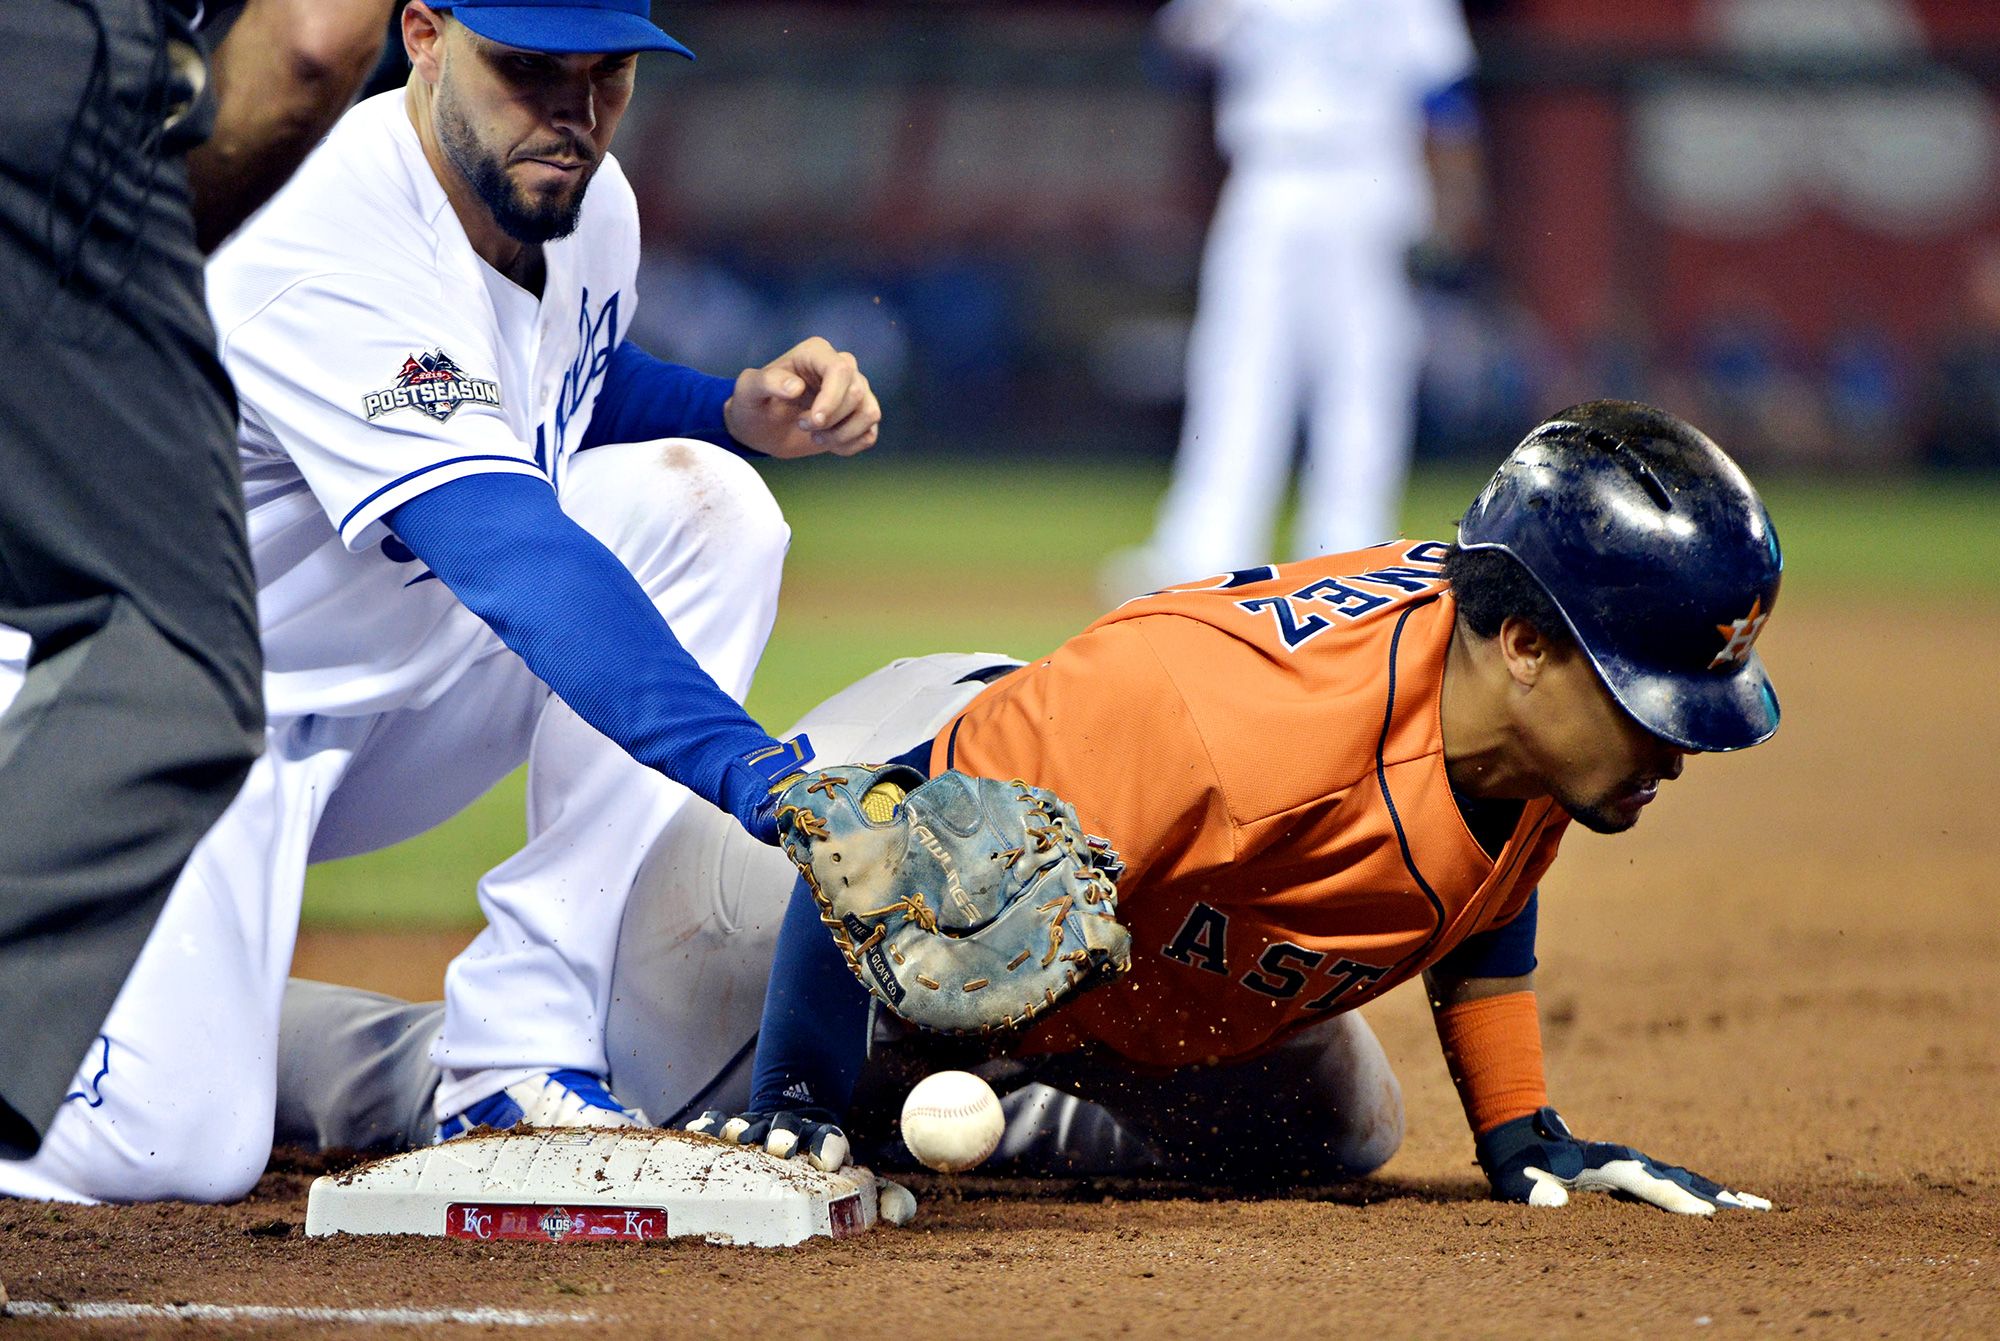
176	1100
1304	312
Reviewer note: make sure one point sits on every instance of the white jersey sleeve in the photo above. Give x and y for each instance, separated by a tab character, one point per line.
1440	50
377	356
374	395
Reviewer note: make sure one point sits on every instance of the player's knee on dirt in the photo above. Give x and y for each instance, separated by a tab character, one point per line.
1323	1107
1335	1100
196	1152
1349	1112
1367	1134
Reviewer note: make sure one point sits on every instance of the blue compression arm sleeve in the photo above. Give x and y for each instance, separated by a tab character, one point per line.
587	629
814	1036
1507	951
644	398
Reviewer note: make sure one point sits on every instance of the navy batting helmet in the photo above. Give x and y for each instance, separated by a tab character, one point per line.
1659	555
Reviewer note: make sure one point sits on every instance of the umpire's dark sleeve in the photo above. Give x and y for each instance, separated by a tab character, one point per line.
123	553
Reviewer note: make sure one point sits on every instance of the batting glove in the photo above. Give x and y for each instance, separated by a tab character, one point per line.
1535	1159
795	1131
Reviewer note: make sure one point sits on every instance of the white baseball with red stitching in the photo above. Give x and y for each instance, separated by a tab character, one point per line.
952	1121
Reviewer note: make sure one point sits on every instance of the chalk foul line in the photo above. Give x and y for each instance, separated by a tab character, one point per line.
118	1312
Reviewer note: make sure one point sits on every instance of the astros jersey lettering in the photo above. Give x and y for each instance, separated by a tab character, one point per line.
1266	753
377	356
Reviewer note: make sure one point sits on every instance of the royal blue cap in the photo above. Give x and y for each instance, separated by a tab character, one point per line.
564	26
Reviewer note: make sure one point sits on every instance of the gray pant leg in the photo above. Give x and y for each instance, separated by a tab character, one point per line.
1048	1133
354	1069
1323	1107
117	755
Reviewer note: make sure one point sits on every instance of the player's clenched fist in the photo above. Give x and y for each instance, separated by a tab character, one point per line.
811	399
1535	1159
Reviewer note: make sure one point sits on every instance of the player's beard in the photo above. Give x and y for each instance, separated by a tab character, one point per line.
1607	813
1599	818
522	215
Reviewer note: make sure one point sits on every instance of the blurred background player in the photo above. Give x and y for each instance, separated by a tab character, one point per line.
1350	134
129	700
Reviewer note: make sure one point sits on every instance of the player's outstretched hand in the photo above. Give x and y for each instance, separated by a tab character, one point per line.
811	1132
1535	1159
810	399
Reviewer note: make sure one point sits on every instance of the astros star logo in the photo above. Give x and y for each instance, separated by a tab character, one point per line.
1741	633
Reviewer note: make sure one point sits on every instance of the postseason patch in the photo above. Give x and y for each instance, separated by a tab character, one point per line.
434	384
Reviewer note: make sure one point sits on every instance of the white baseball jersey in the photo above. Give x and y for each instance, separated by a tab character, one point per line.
377	356
1329	84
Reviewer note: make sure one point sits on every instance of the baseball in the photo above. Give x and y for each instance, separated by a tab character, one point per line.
952	1121
895	1203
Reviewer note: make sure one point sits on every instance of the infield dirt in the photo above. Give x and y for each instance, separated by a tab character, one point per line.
1786	977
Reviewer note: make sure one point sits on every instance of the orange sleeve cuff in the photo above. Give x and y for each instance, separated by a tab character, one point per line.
1493	1048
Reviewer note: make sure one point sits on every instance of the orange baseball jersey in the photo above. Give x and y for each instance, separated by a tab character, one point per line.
1266	753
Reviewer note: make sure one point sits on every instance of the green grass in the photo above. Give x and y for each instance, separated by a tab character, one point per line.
1841	536
892	559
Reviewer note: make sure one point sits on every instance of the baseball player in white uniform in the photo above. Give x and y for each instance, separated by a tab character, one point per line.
486	529
1305	309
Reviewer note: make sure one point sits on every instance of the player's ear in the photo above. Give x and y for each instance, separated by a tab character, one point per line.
1525	649
423	40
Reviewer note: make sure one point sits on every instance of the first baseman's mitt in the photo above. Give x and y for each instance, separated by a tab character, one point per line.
964	904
